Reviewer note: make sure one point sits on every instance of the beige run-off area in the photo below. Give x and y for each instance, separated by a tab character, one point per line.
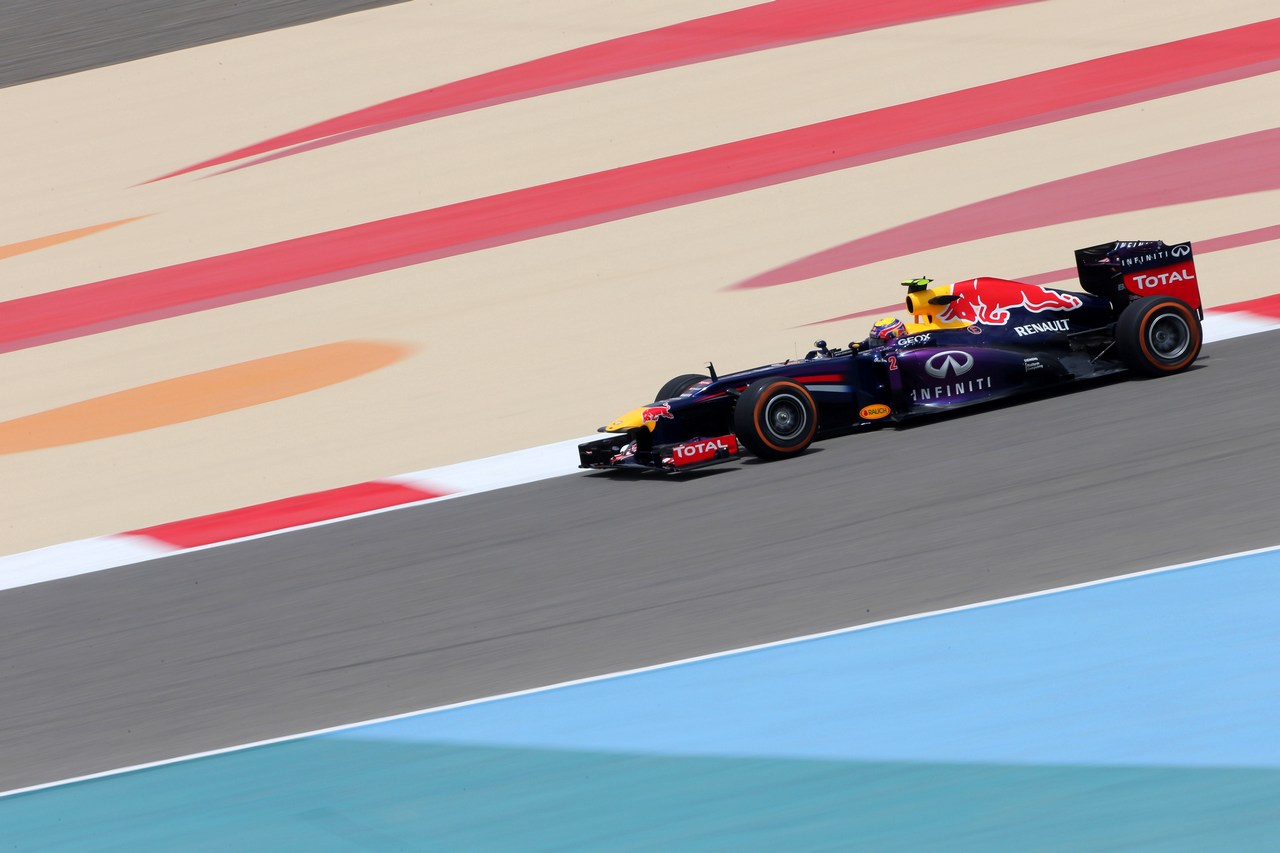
546	339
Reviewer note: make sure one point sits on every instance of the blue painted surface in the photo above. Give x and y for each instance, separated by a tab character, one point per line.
1172	669
1142	714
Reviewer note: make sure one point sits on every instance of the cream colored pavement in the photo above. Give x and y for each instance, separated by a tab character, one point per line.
543	340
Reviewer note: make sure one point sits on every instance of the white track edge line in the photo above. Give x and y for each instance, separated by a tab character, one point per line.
645	669
159	550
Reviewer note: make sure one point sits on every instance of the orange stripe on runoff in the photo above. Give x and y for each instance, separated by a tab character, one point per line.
198	395
63	237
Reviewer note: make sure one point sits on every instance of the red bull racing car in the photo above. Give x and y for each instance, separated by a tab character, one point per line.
971	342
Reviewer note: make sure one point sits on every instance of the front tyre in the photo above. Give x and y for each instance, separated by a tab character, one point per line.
677	386
1158	335
775	418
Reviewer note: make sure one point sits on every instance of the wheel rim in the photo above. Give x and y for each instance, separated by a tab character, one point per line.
1169	337
785	417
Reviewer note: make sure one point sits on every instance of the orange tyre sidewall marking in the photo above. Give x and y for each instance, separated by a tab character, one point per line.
765	398
1192	349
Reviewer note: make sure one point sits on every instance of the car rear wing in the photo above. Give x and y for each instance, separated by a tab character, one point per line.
1122	271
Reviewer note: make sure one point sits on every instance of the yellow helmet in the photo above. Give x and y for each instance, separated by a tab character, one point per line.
886	330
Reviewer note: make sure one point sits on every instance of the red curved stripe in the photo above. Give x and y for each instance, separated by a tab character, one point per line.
1228	167
1268	306
632	190
288	512
740	31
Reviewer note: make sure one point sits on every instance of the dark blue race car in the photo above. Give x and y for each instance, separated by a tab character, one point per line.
971	342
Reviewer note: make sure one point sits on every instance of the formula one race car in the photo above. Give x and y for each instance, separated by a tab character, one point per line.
972	342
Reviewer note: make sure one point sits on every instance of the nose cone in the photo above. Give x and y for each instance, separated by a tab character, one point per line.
645	416
633	419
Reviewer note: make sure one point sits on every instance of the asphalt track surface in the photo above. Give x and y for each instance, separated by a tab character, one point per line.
595	573
48	38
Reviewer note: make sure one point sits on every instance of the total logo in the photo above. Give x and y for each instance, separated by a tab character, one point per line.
1152	282
698	448
952	362
704	450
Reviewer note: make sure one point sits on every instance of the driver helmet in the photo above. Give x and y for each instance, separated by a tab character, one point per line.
886	330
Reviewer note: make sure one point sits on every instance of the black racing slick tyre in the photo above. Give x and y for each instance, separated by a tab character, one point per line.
1158	335
677	386
775	418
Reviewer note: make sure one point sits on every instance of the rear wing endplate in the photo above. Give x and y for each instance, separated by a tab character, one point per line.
1127	269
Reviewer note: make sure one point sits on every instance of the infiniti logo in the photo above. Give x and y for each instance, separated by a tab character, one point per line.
1181	251
948	363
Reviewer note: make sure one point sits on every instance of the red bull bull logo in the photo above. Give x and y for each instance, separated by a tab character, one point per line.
989	300
652	413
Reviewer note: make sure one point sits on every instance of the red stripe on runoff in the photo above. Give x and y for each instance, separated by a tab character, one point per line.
1228	167
281	514
644	187
1267	306
755	28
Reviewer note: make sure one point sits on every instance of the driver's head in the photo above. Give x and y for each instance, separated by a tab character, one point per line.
886	330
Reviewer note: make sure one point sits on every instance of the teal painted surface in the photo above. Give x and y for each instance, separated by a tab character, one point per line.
323	795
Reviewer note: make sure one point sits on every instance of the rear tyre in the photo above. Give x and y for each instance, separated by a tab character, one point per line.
1158	335
775	418
677	386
